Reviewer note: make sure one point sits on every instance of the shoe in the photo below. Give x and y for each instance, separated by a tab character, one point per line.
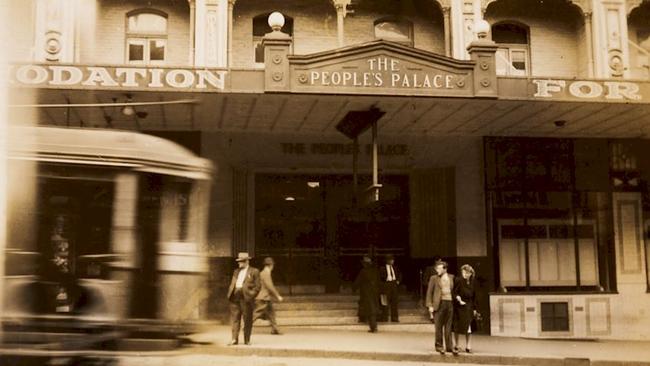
248	343
276	332
372	331
468	350
395	321
440	350
233	343
455	351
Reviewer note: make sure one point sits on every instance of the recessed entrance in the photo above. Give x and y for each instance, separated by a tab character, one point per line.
316	231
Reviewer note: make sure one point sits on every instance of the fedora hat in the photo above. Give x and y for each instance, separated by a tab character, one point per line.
242	256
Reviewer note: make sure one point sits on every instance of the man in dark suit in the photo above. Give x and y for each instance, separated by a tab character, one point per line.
268	294
367	282
244	287
440	295
390	277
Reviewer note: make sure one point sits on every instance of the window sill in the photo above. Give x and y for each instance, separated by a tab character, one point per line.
551	293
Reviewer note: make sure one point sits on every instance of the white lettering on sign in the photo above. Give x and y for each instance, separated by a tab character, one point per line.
383	71
117	77
587	89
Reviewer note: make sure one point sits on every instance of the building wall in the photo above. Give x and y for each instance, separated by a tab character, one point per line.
315	27
555	43
21	41
104	40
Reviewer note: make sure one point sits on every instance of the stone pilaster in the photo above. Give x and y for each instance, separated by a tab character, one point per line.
211	33
54	36
611	51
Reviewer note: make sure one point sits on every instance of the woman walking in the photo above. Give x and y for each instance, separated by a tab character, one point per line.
464	306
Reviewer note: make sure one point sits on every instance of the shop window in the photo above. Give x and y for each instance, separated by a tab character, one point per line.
549	235
555	317
513	52
260	28
146	37
394	30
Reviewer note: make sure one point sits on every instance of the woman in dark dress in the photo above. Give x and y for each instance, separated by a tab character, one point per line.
464	306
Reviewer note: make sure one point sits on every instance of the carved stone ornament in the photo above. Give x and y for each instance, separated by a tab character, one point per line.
485	83
277	59
303	78
277	76
616	62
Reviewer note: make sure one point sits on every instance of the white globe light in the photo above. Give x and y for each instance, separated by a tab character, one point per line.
482	28
276	20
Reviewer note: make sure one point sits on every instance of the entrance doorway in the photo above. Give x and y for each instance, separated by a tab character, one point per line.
317	233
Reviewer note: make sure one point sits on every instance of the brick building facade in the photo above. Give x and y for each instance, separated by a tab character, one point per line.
522	152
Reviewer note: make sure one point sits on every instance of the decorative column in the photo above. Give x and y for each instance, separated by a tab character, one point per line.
231	7
276	49
463	17
211	33
54	35
341	7
446	16
483	52
589	38
192	4
611	53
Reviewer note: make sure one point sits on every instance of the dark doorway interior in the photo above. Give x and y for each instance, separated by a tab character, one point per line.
316	231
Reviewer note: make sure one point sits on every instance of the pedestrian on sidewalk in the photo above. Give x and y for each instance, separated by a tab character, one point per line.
390	277
440	295
464	306
367	282
244	287
268	294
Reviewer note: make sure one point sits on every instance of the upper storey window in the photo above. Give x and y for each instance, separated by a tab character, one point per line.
513	53
146	36
260	28
395	30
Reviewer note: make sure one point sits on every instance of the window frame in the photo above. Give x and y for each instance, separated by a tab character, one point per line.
394	19
514	47
145	38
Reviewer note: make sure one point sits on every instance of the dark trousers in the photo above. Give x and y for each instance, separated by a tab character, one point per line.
241	308
264	310
371	317
443	318
392	299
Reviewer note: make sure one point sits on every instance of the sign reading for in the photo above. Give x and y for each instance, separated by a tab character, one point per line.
589	90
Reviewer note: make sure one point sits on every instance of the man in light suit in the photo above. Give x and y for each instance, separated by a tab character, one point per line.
244	287
440	294
268	293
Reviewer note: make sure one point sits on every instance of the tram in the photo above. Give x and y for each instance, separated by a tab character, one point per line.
107	231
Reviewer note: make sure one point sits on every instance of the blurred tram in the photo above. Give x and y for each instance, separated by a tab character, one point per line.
106	233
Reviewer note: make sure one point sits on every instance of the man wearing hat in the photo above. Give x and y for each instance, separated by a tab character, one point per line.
367	282
268	293
390	278
244	287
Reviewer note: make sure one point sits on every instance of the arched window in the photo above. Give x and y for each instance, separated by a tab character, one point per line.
514	51
146	36
395	30
260	28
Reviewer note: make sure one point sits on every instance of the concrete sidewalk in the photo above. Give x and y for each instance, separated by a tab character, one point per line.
417	344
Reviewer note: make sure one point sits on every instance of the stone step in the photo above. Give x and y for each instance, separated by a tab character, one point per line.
334	305
337	312
337	320
329	298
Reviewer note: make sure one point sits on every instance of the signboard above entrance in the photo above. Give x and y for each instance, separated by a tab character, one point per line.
590	90
114	77
381	68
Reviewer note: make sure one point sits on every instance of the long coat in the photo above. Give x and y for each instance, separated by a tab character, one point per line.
251	285
367	282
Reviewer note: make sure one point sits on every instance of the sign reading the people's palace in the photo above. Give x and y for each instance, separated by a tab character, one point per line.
381	69
116	77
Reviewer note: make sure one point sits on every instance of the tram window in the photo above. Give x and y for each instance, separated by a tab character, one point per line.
146	36
260	28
